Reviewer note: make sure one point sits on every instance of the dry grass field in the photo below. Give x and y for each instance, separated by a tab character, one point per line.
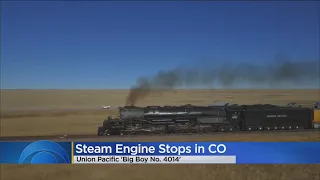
45	112
41	112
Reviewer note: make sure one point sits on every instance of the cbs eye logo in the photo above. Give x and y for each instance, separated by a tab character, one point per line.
44	152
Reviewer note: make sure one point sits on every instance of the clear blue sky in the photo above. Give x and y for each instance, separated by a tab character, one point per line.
110	44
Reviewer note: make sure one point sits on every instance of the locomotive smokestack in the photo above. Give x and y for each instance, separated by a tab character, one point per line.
280	72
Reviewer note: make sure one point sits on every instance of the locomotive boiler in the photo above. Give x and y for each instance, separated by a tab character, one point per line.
199	119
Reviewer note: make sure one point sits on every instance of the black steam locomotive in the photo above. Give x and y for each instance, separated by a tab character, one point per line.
200	119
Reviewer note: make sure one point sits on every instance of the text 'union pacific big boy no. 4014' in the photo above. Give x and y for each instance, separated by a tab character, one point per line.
221	118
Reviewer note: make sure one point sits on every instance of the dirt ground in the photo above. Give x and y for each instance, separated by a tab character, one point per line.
45	112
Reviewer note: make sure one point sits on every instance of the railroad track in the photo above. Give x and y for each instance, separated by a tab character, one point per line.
82	136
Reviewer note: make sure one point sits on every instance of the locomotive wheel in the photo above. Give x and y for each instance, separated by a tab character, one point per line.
267	128
236	128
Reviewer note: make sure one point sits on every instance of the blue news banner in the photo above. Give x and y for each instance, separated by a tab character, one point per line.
49	152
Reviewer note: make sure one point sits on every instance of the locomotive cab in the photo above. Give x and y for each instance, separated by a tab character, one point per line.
316	116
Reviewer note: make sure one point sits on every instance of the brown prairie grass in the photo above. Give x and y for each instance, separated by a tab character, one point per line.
41	112
161	172
90	99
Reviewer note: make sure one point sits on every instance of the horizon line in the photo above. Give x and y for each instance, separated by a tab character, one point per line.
183	89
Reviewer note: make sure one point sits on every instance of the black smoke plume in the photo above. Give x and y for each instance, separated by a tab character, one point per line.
278	73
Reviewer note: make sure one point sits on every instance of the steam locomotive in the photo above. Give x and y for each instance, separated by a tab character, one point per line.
213	118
